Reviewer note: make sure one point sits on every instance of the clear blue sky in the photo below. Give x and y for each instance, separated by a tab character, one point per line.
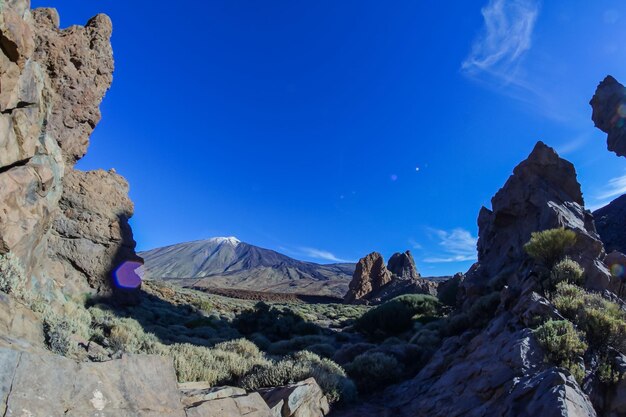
300	126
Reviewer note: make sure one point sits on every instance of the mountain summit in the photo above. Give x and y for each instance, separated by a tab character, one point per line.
226	262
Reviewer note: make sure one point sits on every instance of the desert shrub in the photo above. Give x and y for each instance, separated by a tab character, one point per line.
324	350
550	246
483	309
567	270
456	324
242	347
213	365
62	323
562	345
373	371
12	276
608	373
274	323
331	377
283	347
396	316
127	335
602	321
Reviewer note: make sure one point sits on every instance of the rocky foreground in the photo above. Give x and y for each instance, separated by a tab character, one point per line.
67	233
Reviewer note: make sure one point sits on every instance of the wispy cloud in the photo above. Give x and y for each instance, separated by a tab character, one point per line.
321	254
458	245
615	188
506	36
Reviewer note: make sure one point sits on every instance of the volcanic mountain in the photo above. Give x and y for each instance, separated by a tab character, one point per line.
226	262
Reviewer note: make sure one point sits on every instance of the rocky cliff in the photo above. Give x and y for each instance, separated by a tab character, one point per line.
611	224
69	229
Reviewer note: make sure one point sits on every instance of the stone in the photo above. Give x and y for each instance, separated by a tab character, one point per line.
609	113
402	265
45	384
543	193
195	393
369	276
611	224
251	405
303	399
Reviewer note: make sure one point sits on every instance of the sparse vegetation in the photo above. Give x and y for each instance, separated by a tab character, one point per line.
568	271
550	246
373	371
562	345
331	377
398	315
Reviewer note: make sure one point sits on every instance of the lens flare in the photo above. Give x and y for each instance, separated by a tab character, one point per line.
128	275
621	110
617	270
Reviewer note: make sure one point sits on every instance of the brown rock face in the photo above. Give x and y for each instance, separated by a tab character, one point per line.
370	275
609	113
62	224
402	265
542	193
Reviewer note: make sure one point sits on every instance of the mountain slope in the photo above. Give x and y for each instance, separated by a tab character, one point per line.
611	224
226	262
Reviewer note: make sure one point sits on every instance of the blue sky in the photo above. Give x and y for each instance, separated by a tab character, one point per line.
330	129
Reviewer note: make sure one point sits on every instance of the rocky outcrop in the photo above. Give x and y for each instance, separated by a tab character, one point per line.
611	224
52	82
372	282
402	266
543	193
303	399
609	113
370	275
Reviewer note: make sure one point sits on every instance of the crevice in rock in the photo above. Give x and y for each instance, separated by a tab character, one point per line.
20	105
15	164
9	48
6	405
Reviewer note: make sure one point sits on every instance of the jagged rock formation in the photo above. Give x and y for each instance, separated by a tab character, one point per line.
402	265
542	193
51	216
611	224
375	283
370	275
609	113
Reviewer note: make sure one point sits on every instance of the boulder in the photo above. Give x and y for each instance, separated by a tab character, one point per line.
44	384
303	399
251	405
609	113
611	224
543	193
195	393
369	276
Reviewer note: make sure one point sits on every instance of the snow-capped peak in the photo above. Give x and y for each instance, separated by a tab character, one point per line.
231	240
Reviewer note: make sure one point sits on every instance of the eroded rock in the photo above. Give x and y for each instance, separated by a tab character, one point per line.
370	275
303	399
609	113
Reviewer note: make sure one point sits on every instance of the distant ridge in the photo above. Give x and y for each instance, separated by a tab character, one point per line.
226	262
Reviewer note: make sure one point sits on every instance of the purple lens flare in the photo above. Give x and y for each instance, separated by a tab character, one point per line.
128	275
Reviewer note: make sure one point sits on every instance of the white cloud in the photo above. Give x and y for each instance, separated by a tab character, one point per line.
458	246
321	254
506	36
616	187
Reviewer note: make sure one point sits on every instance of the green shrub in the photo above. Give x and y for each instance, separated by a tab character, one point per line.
568	271
602	321
297	343
483	309
562	345
550	246
373	371
275	323
213	365
331	377
397	315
